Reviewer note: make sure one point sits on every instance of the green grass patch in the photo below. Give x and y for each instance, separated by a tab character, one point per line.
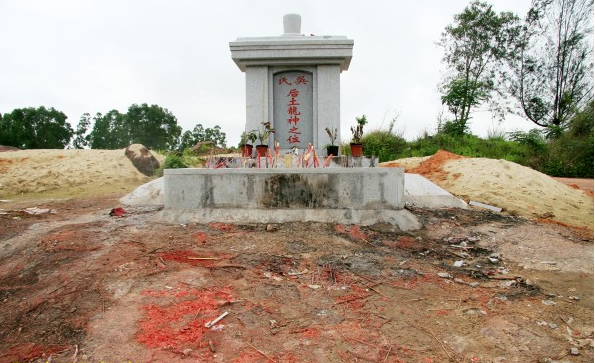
569	155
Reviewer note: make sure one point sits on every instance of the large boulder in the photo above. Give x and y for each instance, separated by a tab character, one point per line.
142	159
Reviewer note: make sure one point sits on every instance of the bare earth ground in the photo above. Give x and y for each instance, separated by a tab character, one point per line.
79	285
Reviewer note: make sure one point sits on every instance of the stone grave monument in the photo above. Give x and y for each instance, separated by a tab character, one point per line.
293	81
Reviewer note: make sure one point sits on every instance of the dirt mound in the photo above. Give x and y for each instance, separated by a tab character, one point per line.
8	148
515	188
519	190
433	165
67	173
408	163
428	165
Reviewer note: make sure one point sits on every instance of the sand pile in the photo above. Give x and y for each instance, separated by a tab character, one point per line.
67	173
515	188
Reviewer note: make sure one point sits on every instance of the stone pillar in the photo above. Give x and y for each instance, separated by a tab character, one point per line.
328	94
257	97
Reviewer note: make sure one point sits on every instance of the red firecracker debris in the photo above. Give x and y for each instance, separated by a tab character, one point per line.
181	324
117	212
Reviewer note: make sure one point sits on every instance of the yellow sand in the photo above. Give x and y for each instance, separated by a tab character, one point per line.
515	188
67	173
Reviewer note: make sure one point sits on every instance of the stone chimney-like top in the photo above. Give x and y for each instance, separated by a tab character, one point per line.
292	48
292	25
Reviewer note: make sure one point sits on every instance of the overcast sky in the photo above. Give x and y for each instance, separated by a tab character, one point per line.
97	55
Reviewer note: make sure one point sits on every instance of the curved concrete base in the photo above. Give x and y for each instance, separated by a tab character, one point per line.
151	193
420	192
401	220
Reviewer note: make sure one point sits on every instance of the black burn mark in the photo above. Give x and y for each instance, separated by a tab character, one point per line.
293	191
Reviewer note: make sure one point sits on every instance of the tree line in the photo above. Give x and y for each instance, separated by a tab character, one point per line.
539	66
153	126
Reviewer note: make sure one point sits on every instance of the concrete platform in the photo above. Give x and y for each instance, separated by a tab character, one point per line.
416	191
295	188
400	220
362	196
419	192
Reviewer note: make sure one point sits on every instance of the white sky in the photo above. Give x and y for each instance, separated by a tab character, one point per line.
97	55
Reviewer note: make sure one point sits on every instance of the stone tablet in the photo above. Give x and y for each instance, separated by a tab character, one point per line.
293	109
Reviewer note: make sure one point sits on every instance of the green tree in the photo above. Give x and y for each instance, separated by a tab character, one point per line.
81	139
199	134
35	128
152	126
475	47
109	131
552	68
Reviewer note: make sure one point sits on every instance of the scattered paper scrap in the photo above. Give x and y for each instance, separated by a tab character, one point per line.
216	320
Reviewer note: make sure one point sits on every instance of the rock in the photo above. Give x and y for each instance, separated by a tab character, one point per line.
474	311
142	159
151	193
507	284
574	351
445	275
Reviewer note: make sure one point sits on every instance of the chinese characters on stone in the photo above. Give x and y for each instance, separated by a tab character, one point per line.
293	110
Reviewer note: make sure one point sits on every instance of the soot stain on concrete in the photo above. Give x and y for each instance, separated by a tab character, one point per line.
293	191
207	197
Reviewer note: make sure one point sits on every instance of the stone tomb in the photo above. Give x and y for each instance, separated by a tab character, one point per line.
293	81
363	196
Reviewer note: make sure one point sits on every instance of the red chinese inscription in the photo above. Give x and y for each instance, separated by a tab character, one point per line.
293	120
293	139
293	110
284	80
301	80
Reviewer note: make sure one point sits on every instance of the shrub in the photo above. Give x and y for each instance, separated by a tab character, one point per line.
174	161
383	144
571	155
454	128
